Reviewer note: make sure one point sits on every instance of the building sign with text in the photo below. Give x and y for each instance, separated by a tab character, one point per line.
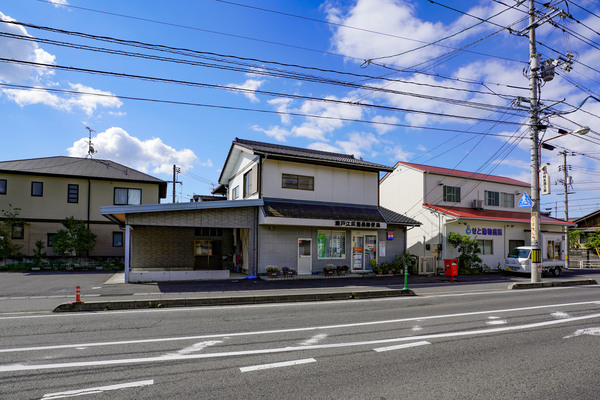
358	224
483	231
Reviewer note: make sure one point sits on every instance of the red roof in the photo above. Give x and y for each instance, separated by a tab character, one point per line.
462	174
493	215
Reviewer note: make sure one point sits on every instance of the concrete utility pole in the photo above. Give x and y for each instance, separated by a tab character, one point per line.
534	66
176	170
565	183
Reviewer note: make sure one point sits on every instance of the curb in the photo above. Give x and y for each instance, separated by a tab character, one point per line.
220	301
533	285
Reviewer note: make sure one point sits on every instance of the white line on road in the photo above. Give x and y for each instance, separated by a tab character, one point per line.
99	363
402	346
314	340
306	329
277	365
82	392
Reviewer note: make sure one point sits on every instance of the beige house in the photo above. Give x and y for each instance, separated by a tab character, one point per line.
49	189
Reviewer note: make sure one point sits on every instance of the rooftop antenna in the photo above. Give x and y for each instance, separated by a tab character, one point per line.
91	150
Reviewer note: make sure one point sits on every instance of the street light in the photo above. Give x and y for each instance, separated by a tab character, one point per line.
536	253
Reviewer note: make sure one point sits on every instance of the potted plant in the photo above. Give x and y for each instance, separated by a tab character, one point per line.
272	270
378	270
288	271
342	269
329	269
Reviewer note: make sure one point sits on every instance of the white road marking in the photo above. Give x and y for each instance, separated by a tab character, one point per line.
494	322
98	363
560	314
586	331
402	346
314	340
416	328
313	328
195	347
277	365
82	392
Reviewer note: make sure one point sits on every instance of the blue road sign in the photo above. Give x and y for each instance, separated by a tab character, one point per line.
525	201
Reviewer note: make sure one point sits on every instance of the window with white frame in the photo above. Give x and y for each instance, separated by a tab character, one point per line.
507	200
492	198
331	244
452	194
486	246
235	193
126	196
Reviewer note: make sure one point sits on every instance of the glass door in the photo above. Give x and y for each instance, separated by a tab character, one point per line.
364	249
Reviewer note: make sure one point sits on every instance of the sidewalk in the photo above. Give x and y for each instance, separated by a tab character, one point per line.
279	290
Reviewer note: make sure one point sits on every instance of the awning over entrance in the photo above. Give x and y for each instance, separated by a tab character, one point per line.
494	215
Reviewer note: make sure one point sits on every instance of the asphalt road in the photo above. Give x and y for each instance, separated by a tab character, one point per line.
525	344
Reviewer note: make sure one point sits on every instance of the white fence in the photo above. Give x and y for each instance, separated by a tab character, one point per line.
589	264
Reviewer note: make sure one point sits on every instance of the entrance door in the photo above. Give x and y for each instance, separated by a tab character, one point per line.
304	256
364	247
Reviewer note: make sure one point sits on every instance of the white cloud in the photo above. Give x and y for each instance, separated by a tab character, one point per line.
324	147
87	103
275	132
359	144
249	87
381	129
43	77
59	3
152	155
281	105
397	153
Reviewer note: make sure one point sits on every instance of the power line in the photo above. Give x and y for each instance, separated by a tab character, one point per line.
251	91
295	114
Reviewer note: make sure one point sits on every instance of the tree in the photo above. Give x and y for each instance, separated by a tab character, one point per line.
593	241
75	239
10	220
468	249
574	239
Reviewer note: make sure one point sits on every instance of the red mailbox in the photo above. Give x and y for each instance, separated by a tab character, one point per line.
451	268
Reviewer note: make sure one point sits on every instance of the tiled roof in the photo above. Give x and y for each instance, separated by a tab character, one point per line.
77	167
394	218
300	154
491	215
316	210
297	209
461	174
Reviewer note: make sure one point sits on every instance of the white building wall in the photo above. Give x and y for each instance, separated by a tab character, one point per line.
469	190
243	165
331	184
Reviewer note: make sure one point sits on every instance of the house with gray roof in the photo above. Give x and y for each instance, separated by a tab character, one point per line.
285	206
48	190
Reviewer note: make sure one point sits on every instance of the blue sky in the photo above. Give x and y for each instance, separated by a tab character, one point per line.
374	110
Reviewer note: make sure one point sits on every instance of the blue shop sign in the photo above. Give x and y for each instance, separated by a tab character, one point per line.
484	231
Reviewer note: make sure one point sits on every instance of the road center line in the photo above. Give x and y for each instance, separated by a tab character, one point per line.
100	363
277	365
305	329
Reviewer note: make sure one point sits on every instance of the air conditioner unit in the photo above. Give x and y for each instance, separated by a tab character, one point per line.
478	204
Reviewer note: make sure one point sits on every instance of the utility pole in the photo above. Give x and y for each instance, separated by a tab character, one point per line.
176	170
534	66
565	186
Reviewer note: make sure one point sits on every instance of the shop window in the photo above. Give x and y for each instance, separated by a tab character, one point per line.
2	186
300	182
117	239
507	200
18	231
125	196
37	189
492	198
331	244
486	246
73	194
452	194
